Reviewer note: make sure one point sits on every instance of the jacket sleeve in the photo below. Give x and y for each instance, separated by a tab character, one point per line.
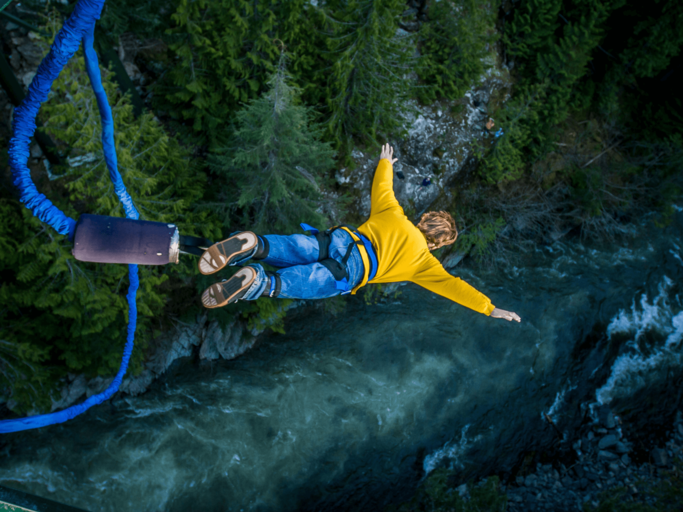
383	197
434	277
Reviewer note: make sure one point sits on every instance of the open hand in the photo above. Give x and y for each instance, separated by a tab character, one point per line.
388	153
507	315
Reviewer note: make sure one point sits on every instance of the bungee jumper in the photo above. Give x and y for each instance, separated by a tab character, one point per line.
387	248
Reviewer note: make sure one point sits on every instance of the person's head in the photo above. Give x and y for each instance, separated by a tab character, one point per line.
438	228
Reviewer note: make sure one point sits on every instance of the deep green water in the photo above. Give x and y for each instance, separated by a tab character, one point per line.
350	412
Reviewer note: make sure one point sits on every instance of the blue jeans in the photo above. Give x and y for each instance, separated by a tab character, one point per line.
301	275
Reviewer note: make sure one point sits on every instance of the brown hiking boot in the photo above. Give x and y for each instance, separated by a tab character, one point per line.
226	292
221	254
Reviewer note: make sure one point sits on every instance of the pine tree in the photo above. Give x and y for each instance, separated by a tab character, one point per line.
551	49
275	162
532	32
453	43
224	52
369	69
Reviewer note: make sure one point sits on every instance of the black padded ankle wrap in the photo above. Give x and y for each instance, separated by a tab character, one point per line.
263	249
278	285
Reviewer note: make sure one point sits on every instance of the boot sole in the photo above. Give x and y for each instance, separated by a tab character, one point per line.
230	291
221	254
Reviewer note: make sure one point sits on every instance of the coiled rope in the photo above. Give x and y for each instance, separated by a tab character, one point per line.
78	28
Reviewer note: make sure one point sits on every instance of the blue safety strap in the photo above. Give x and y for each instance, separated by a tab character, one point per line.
79	27
308	227
343	285
272	286
371	254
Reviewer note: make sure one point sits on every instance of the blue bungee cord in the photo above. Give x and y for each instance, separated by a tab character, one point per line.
79	27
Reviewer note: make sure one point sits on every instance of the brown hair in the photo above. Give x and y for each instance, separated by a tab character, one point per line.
438	228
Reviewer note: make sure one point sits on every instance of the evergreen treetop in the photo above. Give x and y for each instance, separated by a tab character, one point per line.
370	63
275	162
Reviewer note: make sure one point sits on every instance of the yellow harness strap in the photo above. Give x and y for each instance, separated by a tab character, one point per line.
364	256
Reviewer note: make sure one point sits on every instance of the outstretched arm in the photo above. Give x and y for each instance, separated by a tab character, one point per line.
383	197
435	278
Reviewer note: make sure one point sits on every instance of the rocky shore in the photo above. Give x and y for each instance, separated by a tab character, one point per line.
206	340
603	462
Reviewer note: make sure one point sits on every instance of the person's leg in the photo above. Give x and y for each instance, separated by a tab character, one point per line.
290	250
242	246
282	251
312	281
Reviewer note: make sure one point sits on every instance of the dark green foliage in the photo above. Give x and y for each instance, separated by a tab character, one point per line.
656	38
224	50
505	158
639	85
275	163
144	19
453	43
552	53
60	315
369	66
531	33
435	495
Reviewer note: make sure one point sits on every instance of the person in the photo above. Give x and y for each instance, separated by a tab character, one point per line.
489	126
387	248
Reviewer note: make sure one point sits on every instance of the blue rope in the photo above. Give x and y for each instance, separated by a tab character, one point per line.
79	27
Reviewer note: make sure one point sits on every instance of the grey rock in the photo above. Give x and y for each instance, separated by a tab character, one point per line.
31	52
606	417
137	385
680	429
11	26
175	345
462	490
601	431
70	393
229	344
591	436
453	259
608	441
517	498
567	481
97	385
530	480
583	483
607	456
15	59
436	146
520	480
27	78
555	474
614	467
621	448
659	457
36	152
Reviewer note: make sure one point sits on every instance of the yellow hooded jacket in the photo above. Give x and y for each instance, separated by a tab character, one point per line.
402	251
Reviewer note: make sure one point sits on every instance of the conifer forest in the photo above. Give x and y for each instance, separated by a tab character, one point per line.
260	115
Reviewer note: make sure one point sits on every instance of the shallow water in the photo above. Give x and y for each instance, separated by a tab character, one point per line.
350	412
